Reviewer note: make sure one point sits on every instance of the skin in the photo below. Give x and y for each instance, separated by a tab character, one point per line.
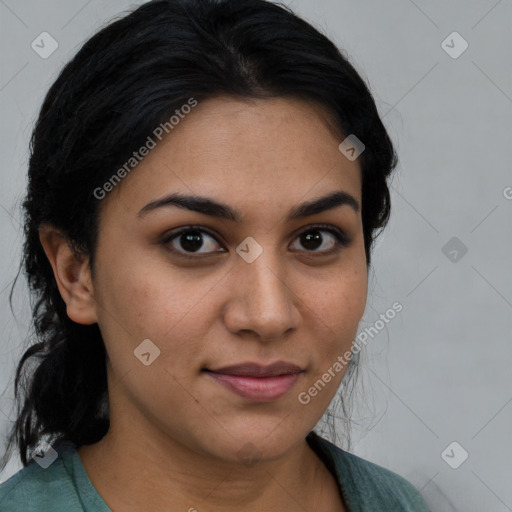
175	434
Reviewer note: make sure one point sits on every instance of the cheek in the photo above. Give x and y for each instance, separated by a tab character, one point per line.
340	305
335	315
152	301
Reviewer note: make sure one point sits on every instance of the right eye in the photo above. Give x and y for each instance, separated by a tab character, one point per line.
189	240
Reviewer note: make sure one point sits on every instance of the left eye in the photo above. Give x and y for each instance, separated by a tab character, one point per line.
312	239
192	239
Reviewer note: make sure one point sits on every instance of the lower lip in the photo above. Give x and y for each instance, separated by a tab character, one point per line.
257	389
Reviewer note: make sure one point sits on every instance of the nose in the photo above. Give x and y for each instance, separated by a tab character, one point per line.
263	301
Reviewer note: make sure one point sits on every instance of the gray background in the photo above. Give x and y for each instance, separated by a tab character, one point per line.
440	370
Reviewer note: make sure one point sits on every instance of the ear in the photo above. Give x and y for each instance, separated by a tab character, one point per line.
72	274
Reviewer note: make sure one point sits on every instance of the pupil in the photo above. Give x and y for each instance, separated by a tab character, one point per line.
312	240
191	241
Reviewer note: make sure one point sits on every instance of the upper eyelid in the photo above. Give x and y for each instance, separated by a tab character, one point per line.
191	227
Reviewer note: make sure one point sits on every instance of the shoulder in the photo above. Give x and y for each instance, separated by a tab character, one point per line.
39	488
368	486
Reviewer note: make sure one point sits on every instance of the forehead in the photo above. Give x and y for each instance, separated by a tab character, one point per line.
257	154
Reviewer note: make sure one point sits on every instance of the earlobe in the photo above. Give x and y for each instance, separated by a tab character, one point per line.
72	275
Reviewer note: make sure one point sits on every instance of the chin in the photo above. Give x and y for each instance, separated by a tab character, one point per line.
251	445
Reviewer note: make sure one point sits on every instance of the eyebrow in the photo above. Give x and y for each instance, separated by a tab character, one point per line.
208	206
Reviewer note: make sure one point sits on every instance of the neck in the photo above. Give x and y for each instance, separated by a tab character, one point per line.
139	472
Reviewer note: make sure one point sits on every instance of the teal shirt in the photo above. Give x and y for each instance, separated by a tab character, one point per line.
65	486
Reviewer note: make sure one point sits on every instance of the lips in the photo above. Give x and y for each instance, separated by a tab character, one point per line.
256	370
256	382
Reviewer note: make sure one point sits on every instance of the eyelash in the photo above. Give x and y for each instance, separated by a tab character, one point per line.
341	240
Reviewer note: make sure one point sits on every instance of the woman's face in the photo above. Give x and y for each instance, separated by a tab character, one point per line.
260	289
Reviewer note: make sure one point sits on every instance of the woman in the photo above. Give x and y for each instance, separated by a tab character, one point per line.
205	185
